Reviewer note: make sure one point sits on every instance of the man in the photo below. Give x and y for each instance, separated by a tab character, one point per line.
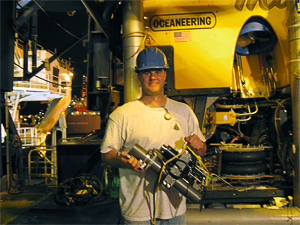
152	121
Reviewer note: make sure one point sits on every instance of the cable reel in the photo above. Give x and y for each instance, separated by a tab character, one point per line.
79	190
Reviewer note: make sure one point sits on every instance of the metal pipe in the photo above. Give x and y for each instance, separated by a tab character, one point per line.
133	28
250	113
25	58
16	107
7	42
294	47
259	216
34	39
8	164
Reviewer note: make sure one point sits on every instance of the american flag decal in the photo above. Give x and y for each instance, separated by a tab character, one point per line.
183	36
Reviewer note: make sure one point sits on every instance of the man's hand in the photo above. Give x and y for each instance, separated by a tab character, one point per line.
122	160
131	162
195	143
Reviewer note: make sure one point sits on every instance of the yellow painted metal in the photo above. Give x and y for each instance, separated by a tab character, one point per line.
204	53
222	118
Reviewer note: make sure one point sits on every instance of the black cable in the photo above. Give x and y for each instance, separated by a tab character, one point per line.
55	21
82	189
51	81
18	66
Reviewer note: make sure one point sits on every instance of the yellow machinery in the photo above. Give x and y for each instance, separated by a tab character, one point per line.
231	59
205	34
235	63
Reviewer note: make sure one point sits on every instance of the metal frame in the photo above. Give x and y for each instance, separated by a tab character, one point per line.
52	161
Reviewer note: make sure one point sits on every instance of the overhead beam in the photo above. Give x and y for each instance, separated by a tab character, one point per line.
55	56
28	13
90	7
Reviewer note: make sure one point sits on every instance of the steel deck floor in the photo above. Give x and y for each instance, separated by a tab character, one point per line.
36	205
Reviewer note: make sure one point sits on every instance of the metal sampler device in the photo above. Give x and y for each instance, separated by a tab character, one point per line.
179	170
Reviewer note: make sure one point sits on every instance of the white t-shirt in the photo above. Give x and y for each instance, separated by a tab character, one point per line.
134	123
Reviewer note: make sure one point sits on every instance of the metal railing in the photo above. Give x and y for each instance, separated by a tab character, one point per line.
28	136
46	82
42	163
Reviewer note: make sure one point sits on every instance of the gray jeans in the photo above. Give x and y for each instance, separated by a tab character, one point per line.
178	220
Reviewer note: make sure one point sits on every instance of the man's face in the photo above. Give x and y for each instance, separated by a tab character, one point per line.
153	81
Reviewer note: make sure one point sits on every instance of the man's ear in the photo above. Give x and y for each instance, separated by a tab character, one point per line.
165	74
139	77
